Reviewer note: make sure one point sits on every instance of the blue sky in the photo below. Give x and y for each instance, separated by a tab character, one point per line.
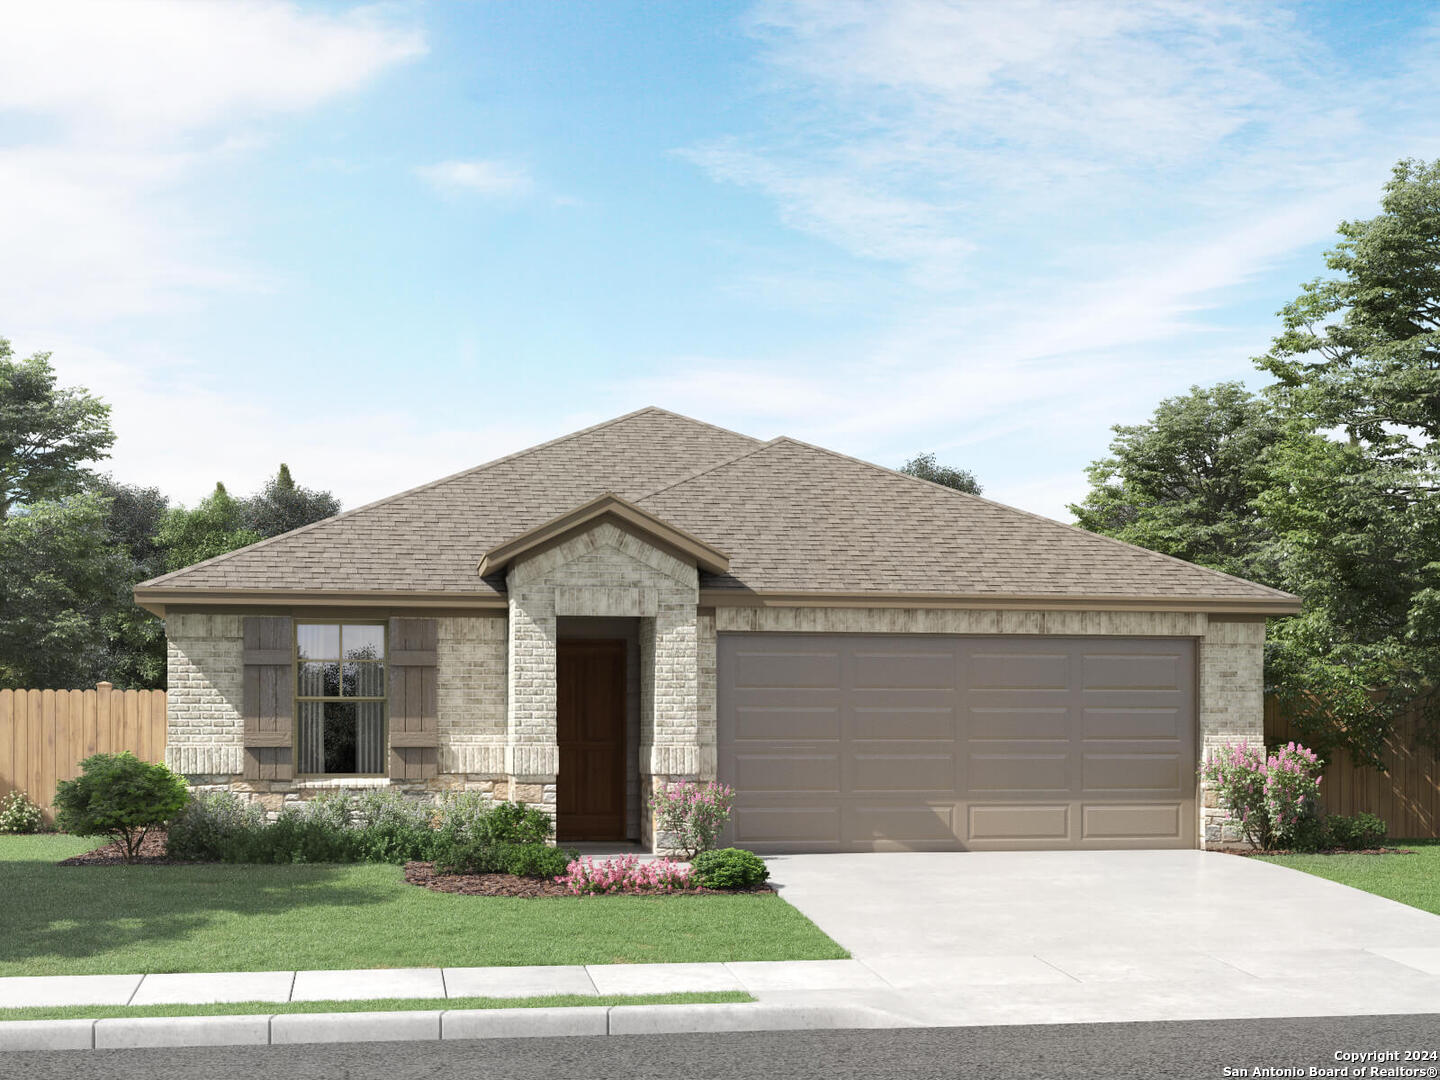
386	242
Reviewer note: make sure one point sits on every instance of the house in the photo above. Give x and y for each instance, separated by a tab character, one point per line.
874	662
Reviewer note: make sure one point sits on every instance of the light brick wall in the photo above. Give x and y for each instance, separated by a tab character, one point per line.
1230	657
205	677
470	694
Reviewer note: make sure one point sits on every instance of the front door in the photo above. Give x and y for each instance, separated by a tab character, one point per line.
590	723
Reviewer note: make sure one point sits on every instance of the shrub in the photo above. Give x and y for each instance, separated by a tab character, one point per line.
465	856
513	823
627	874
729	868
19	814
213	827
1272	797
119	796
1358	833
392	828
692	815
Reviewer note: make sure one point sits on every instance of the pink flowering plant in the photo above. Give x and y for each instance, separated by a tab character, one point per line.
692	815
1272	796
626	874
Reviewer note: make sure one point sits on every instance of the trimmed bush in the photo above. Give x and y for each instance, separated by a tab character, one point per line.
119	796
729	868
464	856
213	827
393	829
20	814
1359	833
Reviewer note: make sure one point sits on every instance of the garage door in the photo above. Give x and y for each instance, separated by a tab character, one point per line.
838	742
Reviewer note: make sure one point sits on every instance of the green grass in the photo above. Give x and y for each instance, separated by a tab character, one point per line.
267	1008
78	920
1410	879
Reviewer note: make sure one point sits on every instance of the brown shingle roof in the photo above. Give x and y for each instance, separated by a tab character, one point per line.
792	518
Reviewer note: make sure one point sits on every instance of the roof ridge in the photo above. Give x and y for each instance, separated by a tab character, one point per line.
161	579
711	468
1029	514
702	423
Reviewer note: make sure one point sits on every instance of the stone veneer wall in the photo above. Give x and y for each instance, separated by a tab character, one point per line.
205	677
1230	658
605	571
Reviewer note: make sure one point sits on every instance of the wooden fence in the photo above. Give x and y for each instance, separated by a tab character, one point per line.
45	734
1406	795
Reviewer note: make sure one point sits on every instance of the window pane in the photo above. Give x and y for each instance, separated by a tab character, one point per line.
364	680
310	737
370	738
364	642
339	737
318	641
319	680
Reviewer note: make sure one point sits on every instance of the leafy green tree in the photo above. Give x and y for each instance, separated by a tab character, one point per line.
119	796
1184	481
135	651
47	433
283	505
60	575
215	525
926	467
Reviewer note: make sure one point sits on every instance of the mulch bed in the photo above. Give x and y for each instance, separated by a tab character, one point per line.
1251	852
424	875
152	853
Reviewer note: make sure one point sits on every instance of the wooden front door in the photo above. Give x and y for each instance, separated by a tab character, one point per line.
590	722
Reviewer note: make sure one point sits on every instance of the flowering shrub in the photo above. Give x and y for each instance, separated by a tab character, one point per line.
627	874
1273	797
19	814
692	814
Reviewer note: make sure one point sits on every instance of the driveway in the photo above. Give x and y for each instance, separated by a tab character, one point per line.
1034	937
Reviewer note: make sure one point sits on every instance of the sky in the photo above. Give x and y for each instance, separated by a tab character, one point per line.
386	242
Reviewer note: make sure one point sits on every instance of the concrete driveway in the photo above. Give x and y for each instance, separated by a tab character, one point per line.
1037	937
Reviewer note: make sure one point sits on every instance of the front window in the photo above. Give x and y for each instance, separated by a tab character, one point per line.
340	698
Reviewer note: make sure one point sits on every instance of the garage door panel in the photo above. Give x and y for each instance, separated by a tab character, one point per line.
904	827
1019	722
1130	673
787	771
903	722
1137	772
1018	822
994	669
904	670
1143	822
902	767
928	742
786	670
1017	771
786	722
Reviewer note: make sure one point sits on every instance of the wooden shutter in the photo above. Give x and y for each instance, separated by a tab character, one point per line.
269	698
414	723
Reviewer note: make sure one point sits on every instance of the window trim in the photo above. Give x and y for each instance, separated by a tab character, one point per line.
297	698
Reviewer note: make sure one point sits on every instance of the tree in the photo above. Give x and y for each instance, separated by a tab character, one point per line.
47	434
135	649
925	467
283	505
215	525
60	575
1184	481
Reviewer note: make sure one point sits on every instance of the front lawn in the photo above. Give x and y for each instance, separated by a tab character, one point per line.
80	920
1410	879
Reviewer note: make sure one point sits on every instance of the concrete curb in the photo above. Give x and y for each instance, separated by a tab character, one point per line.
261	1029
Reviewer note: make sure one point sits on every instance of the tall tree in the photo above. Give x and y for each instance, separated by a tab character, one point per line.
1183	482
135	639
283	505
60	575
47	433
926	467
215	525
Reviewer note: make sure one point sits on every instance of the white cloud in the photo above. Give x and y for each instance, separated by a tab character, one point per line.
131	102
1070	191
491	178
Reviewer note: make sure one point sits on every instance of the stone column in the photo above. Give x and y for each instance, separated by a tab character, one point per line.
532	754
1231	709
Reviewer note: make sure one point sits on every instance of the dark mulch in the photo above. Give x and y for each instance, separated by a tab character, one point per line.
1251	852
151	853
424	875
